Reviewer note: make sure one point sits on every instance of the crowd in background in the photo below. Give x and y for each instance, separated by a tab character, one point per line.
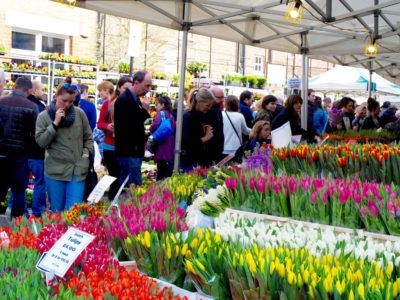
55	143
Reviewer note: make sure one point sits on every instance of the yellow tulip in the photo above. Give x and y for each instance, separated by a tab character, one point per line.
177	249
201	248
168	252
360	290
389	270
200	265
219	252
241	259
340	286
281	270
184	248
190	267
188	254
306	276
299	281
217	238
291	278
271	268
128	240
262	264
251	263
147	239
194	243
255	249
395	289
351	295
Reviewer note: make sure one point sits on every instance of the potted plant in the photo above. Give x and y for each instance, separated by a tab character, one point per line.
104	68
2	49
261	81
195	68
175	80
123	67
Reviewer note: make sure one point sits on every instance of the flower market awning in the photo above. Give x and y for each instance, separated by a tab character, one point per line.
336	31
344	78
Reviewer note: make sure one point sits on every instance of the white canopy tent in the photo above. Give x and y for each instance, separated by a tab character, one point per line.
342	78
331	30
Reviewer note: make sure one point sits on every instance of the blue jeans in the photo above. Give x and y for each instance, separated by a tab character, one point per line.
39	190
14	174
64	194
130	166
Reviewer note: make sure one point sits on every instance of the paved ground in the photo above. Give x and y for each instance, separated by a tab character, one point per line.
4	221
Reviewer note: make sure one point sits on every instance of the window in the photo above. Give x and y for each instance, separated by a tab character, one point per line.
53	45
30	43
24	41
258	66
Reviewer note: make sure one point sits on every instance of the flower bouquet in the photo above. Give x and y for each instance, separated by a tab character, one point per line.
173	250
206	267
143	248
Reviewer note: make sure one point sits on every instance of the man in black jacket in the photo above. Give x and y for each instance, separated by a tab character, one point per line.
17	135
36	156
129	117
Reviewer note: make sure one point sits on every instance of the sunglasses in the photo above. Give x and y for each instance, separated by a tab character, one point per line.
71	86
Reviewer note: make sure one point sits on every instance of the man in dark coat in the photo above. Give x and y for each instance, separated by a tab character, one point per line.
129	117
17	137
213	117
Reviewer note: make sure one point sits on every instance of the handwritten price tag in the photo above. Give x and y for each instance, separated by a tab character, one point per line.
65	251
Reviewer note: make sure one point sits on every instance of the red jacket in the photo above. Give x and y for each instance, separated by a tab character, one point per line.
104	120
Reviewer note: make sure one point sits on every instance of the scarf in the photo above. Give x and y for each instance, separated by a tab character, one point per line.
69	115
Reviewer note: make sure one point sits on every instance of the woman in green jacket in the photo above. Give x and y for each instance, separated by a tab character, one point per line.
64	131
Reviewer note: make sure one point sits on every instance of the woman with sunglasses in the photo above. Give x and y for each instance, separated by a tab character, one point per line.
64	131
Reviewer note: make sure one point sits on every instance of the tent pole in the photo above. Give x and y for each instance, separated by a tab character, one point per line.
179	118
304	80
370	80
304	91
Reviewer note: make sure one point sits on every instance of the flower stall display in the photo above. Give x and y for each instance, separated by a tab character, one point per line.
157	209
60	57
368	162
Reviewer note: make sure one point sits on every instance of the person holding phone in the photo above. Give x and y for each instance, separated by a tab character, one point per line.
64	131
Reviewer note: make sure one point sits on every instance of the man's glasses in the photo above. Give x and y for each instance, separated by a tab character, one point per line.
70	86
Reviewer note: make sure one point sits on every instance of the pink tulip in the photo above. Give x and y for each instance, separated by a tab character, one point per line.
363	211
293	185
372	208
231	183
391	208
261	184
314	197
252	183
357	197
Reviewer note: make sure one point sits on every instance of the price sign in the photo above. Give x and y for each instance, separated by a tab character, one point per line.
65	251
294	83
100	188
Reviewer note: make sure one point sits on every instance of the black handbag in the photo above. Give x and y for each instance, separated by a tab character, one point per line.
152	145
91	178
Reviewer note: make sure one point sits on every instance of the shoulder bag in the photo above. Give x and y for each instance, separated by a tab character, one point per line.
164	130
239	154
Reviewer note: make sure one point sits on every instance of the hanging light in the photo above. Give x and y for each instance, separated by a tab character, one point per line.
371	48
294	12
70	3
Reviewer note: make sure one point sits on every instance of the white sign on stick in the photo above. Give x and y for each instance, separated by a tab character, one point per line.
65	251
282	136
100	188
135	39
